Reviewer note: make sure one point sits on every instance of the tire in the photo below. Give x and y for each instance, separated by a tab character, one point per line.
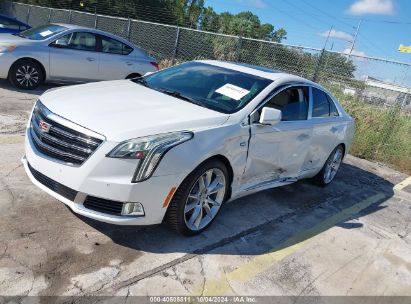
183	209
132	76
26	74
331	167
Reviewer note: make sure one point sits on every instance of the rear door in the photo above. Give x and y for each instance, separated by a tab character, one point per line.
326	126
279	152
74	57
115	59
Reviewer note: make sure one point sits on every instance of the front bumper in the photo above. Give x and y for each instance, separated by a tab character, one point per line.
104	178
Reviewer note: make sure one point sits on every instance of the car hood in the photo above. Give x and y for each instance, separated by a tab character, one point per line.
122	109
10	38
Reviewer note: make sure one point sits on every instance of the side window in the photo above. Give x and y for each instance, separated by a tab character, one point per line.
321	106
333	108
293	103
8	24
112	46
63	41
82	41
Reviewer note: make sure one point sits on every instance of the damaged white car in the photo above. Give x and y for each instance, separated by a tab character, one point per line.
176	145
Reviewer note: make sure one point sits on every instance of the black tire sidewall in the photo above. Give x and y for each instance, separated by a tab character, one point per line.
183	191
19	64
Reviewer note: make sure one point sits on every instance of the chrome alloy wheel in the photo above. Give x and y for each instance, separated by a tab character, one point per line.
205	199
332	165
27	76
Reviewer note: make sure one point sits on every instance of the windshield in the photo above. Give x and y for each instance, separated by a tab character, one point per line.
213	87
42	32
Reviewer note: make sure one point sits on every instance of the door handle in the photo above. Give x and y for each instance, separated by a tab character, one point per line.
129	63
90	59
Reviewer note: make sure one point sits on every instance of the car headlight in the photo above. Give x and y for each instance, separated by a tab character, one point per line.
149	150
4	48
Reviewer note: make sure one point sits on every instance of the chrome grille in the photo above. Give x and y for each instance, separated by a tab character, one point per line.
59	141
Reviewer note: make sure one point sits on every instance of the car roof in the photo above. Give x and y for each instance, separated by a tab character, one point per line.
258	71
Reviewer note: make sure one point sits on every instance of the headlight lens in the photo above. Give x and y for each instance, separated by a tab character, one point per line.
149	150
4	48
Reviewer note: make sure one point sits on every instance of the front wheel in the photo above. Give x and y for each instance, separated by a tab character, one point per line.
26	75
330	168
198	200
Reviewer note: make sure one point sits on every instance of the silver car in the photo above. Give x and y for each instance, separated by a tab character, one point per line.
69	53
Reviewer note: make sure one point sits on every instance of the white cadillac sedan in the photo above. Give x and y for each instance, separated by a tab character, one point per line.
69	53
176	145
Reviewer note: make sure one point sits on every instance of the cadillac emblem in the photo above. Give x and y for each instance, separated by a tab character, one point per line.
44	126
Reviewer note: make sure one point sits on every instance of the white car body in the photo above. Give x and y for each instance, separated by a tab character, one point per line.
74	65
259	157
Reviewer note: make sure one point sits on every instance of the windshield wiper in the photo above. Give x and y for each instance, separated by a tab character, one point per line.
182	97
142	81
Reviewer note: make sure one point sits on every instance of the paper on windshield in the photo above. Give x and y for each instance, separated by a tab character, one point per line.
46	33
232	91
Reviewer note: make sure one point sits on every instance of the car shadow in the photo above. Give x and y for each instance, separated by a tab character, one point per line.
269	220
5	84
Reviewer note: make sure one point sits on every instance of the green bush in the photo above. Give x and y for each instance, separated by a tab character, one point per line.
382	134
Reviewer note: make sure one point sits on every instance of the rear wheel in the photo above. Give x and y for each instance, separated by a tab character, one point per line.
330	168
198	200
26	74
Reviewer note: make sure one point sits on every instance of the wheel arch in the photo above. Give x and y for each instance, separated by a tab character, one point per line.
43	69
344	148
133	75
227	163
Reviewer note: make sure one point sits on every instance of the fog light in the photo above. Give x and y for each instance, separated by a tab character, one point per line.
133	209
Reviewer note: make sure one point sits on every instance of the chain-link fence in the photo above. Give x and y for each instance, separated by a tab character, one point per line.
374	91
373	80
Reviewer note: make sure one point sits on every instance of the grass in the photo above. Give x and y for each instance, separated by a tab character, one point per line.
382	134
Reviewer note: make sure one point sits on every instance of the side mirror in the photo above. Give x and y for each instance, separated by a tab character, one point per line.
270	116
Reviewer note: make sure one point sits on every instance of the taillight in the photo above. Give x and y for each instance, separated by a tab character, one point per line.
155	64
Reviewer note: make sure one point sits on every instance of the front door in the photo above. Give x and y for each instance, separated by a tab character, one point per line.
74	57
279	152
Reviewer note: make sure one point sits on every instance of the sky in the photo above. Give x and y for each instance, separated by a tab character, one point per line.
385	25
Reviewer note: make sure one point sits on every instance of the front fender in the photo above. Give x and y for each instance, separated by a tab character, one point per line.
229	141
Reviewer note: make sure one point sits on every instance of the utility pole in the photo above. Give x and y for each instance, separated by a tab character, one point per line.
328	36
355	38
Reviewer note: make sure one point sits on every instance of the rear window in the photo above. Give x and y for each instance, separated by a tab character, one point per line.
113	46
42	32
323	106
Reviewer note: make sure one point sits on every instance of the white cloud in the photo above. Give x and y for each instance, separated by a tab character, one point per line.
253	3
337	34
376	7
355	52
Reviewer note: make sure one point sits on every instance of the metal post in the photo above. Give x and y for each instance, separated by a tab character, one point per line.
238	49
318	67
173	61
95	17
69	19
49	16
129	29
28	14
